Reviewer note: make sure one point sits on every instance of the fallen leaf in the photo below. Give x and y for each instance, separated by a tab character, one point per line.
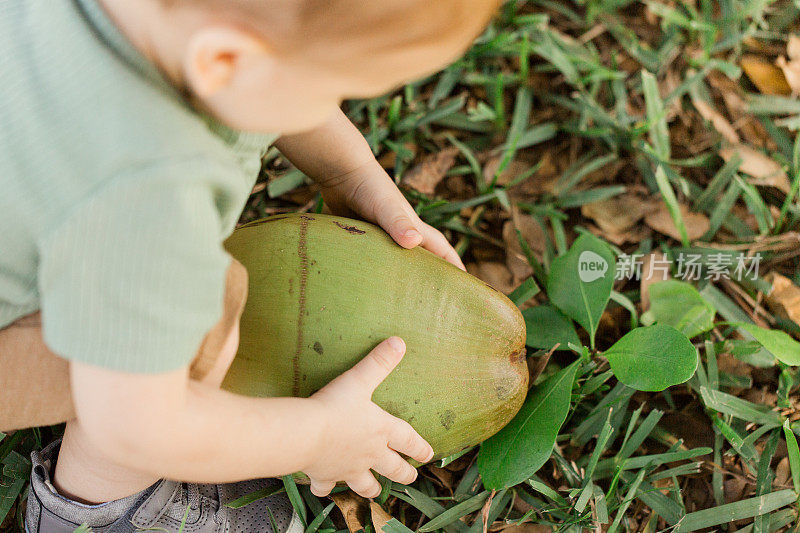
655	267
768	78
513	170
720	123
784	298
426	175
735	489
444	476
618	214
729	364
543	180
661	221
353	508
379	516
494	274
636	234
763	169
782	473
748	128
485	511
743	213
528	528
761	397
532	233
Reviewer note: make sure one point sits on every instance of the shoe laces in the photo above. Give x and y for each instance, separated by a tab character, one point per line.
190	495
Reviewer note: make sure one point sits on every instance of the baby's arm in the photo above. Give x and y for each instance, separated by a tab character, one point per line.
338	157
170	426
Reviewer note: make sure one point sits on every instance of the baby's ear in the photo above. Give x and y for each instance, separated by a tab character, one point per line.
214	54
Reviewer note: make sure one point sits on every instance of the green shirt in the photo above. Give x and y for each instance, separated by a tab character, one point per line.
115	195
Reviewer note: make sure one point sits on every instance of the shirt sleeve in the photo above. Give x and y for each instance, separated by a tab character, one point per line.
133	278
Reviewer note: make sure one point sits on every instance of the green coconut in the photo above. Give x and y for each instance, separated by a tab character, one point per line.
325	290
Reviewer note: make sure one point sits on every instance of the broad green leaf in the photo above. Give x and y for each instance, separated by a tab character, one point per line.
653	358
778	342
546	326
678	304
580	281
518	450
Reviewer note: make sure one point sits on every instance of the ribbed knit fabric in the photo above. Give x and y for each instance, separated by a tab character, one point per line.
115	195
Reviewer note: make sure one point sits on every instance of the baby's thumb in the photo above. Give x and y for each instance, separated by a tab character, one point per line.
404	232
379	363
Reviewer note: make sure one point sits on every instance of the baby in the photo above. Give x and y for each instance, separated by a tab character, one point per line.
131	138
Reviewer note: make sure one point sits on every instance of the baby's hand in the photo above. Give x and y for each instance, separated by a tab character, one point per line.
360	435
370	193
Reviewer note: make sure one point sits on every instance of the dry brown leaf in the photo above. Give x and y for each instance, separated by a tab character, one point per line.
426	175
353	508
618	214
655	267
768	78
760	396
532	233
636	234
784	298
543	180
743	213
782	473
735	489
729	364
748	128
661	221
527	528
720	123
763	169
495	274
514	170
444	476
379	516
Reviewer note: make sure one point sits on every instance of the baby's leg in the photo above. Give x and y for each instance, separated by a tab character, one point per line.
83	473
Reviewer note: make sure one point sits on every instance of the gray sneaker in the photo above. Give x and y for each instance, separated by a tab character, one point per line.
160	507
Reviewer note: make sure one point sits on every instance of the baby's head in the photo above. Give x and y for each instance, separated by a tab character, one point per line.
285	65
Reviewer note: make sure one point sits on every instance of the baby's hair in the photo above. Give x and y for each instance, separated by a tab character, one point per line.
300	26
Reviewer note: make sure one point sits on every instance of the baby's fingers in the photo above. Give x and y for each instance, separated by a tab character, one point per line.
404	439
321	488
396	468
378	364
434	241
365	485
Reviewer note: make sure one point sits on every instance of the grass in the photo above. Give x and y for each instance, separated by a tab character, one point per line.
558	106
